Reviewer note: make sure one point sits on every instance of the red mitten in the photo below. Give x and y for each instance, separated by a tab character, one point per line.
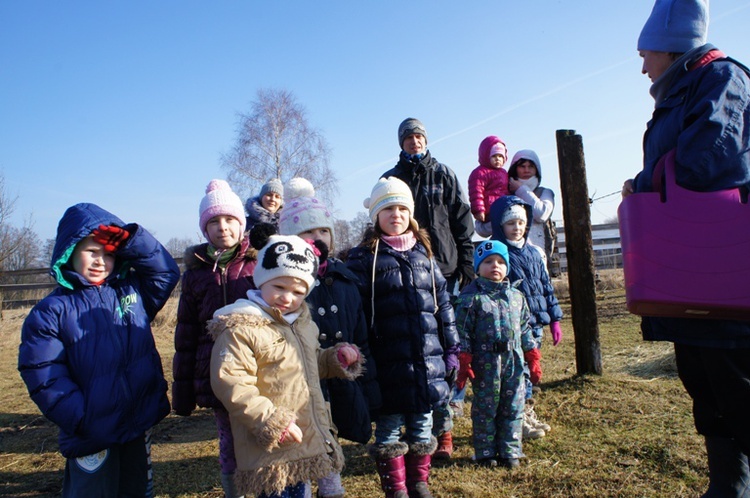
556	331
533	358
464	370
111	237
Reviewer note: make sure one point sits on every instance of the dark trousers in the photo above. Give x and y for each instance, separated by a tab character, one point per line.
124	470
718	381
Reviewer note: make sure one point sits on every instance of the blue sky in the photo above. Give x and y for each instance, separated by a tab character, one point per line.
131	104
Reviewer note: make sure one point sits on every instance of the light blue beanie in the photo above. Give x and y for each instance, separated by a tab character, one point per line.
676	26
487	248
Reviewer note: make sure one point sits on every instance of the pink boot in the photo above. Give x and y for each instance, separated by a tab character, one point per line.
389	459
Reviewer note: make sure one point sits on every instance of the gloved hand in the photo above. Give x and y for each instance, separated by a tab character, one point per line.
464	371
292	433
556	331
347	355
533	358
450	377
111	237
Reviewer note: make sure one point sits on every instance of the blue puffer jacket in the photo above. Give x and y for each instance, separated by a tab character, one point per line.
336	308
87	354
412	336
705	115
527	265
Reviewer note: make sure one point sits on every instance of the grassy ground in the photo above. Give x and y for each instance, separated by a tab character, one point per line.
627	433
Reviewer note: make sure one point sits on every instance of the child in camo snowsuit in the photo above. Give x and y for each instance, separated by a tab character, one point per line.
492	318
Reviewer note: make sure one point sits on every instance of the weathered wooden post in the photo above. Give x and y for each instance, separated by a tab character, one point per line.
579	251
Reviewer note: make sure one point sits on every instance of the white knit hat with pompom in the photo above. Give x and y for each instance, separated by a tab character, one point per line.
302	211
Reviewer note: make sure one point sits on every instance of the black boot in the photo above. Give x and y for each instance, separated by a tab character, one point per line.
727	469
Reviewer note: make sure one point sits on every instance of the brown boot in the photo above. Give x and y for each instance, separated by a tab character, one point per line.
389	459
445	446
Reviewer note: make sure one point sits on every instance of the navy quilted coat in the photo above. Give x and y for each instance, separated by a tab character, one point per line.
527	265
336	308
87	353
411	332
205	288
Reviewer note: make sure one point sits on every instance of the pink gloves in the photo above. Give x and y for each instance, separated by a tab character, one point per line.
556	331
464	370
111	237
534	360
347	355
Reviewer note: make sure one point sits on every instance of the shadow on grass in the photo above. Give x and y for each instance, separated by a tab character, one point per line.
39	485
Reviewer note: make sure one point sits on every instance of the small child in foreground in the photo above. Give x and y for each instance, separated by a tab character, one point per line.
88	356
511	217
266	367
492	318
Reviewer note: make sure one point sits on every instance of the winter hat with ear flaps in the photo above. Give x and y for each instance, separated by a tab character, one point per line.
303	211
220	200
283	256
389	192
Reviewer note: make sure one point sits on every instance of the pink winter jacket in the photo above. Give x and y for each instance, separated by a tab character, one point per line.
487	184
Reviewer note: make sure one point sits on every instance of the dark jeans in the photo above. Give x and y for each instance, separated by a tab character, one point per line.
718	381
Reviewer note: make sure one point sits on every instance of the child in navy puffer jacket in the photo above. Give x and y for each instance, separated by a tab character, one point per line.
88	356
336	308
217	274
413	336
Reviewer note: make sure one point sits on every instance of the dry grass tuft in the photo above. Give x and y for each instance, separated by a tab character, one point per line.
627	433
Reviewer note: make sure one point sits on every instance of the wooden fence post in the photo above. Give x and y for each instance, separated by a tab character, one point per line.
579	251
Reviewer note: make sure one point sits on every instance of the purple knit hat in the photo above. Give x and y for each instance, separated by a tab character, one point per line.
220	199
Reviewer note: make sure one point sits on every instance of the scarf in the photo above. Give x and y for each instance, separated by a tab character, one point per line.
678	68
402	242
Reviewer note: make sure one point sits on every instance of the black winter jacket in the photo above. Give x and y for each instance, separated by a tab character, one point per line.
412	336
440	207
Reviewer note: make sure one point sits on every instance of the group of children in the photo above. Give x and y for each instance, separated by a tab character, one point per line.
289	347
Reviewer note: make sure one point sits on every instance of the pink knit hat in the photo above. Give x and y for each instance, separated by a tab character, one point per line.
220	199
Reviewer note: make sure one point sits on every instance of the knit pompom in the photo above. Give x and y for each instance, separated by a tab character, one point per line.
299	187
217	185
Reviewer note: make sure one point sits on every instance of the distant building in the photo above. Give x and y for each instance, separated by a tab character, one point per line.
606	241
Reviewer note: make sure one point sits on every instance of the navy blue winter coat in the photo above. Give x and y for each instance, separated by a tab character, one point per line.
705	115
336	308
527	265
87	353
412	336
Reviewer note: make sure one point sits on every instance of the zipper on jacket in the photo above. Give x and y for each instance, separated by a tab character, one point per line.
321	430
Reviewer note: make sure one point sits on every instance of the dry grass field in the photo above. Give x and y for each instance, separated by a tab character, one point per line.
626	433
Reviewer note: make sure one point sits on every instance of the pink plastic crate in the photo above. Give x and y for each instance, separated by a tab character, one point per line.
688	256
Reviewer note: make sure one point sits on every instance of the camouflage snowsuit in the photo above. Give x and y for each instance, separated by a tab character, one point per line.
493	323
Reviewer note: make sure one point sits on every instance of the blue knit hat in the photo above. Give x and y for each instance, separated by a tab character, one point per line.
486	249
675	26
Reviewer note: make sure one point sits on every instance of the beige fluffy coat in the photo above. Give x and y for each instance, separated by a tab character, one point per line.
267	373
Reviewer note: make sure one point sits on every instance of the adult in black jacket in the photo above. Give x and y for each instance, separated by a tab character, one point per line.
440	205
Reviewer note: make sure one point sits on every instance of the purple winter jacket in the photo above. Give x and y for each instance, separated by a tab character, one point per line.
204	290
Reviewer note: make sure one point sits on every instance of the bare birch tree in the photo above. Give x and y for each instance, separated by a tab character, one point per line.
275	140
13	240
